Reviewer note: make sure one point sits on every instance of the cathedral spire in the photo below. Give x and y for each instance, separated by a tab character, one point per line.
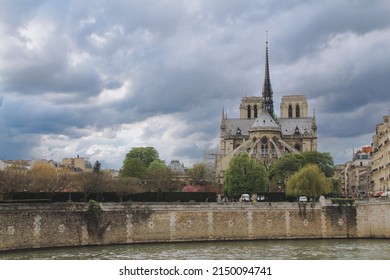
267	90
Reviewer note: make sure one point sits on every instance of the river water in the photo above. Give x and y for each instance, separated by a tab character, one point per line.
312	249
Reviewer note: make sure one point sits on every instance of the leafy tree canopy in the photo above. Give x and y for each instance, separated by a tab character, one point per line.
284	167
146	154
309	181
323	160
336	185
245	175
137	161
157	165
287	165
133	167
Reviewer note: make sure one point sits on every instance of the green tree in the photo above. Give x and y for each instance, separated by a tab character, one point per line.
157	164
245	175
146	154
287	165
137	160
133	167
283	168
309	181
96	167
323	160
335	186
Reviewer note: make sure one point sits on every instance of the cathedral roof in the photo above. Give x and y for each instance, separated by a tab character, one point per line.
264	120
233	124
290	126
176	167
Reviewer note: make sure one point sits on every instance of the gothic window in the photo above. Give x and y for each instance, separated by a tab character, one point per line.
264	149
297	112
290	111
264	146
297	147
249	111
255	111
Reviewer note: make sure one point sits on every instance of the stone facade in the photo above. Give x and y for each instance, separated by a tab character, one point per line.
380	160
78	163
52	225
355	174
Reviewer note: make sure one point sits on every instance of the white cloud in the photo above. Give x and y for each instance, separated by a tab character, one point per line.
97	80
115	95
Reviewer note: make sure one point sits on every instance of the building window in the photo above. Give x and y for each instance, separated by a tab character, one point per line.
249	111
255	111
297	147
297	111
264	146
290	111
264	149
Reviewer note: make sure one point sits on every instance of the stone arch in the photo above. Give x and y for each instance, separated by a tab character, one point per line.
290	111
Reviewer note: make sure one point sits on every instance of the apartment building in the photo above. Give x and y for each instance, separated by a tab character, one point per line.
380	159
355	174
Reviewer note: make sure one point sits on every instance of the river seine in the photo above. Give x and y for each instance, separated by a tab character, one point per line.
316	249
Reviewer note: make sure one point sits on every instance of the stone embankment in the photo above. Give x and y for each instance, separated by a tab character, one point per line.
24	226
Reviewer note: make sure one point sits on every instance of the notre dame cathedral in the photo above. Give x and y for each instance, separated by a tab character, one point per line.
261	133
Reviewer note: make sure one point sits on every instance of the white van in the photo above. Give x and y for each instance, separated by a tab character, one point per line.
302	199
245	197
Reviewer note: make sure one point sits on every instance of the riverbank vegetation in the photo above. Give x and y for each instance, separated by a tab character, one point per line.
144	172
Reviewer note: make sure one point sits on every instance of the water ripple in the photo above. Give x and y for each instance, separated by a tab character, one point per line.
318	249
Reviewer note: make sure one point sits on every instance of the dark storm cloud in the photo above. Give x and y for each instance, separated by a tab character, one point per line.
89	72
27	116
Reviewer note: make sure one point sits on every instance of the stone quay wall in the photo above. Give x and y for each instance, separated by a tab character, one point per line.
25	226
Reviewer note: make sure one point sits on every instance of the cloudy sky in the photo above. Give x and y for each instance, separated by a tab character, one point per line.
96	78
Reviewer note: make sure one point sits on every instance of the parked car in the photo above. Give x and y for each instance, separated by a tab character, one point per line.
302	199
245	197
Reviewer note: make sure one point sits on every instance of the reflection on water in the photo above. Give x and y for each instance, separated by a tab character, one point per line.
316	249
